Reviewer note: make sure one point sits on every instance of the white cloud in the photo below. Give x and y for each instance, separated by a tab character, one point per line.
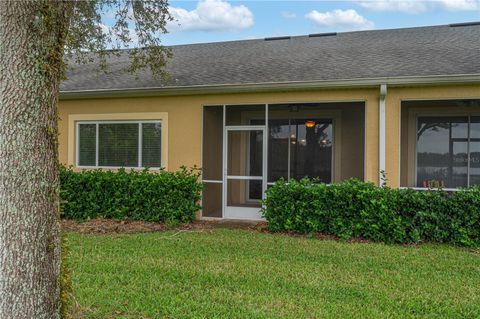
419	6
211	15
407	6
288	14
459	5
345	19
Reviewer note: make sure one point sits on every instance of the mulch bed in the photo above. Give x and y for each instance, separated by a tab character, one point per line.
106	226
111	226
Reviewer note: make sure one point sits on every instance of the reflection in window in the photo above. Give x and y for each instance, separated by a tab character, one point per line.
448	151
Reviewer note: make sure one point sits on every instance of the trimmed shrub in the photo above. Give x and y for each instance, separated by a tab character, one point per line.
357	209
163	196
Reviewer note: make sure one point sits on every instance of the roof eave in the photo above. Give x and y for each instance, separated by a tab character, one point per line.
274	86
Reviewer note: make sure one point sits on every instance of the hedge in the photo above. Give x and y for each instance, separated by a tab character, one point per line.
163	196
354	209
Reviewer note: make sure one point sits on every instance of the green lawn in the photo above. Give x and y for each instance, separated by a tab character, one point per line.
243	274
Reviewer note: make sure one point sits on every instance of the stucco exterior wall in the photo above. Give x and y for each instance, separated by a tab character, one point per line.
185	118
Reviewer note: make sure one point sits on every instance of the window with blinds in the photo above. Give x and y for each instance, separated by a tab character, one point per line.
119	144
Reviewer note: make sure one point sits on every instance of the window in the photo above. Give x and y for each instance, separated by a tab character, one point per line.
119	144
448	151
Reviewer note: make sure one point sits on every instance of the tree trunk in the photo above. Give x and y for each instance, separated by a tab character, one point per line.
31	50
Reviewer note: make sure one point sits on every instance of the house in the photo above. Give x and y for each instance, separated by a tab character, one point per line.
330	106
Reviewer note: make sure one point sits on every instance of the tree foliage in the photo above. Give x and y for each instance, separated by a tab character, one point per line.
136	25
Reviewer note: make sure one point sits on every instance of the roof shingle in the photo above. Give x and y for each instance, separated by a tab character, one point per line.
421	51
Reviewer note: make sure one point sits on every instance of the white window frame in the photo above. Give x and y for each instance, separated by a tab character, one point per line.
140	141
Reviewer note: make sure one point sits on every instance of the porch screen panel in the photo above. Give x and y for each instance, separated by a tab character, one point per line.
442	152
87	144
245	114
118	144
352	141
278	148
212	200
212	143
245	154
212	161
311	149
151	144
244	193
300	142
255	165
278	142
474	150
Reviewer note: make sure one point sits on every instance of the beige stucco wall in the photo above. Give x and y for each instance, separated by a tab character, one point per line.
185	118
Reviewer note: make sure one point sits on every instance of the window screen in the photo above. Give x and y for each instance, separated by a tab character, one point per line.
151	144
119	144
87	144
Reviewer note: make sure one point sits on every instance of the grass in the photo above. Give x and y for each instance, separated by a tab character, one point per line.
243	274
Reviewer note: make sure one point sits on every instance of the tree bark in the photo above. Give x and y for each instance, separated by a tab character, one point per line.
31	53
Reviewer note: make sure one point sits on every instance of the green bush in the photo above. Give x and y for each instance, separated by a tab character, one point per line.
170	197
357	209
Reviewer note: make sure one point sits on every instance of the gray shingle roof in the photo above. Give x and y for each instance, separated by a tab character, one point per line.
422	51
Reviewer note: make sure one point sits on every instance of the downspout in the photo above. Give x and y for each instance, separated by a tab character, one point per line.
381	135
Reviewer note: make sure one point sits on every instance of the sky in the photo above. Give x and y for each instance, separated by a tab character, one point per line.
224	20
